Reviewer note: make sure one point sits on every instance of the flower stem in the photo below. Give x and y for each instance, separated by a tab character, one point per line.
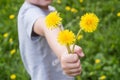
68	48
76	40
60	27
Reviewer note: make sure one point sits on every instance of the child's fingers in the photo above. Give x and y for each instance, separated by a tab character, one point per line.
78	51
69	58
68	66
80	54
72	71
75	74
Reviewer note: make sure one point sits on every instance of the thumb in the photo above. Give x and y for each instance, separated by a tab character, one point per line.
80	54
78	51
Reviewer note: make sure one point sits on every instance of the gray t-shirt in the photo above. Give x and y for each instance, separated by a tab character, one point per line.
38	58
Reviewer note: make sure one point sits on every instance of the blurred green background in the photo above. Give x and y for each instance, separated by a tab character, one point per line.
101	48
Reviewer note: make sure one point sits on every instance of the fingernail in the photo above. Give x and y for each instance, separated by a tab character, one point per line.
81	54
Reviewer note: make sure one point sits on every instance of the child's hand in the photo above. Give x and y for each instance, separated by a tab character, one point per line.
71	62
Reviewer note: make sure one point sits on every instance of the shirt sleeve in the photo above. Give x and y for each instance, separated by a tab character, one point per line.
30	16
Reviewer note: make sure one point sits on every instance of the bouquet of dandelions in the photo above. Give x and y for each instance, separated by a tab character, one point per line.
88	23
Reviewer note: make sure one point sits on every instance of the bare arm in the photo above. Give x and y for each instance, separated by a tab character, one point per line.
51	36
69	62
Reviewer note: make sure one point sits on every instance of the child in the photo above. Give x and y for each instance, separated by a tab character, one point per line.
43	57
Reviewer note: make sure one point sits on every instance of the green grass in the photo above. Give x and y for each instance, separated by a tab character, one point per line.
103	44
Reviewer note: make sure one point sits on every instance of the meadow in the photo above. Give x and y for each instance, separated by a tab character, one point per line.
101	48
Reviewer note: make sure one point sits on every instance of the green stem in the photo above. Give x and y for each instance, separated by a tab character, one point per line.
60	27
76	40
68	48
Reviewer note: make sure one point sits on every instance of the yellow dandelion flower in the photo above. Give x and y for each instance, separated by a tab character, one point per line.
81	1
12	76
118	14
10	40
58	1
5	35
89	22
67	8
66	37
103	77
79	37
53	20
12	51
74	10
97	61
11	16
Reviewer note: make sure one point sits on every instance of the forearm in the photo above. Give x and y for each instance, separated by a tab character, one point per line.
69	62
51	36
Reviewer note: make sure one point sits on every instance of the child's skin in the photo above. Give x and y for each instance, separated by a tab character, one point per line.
70	63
